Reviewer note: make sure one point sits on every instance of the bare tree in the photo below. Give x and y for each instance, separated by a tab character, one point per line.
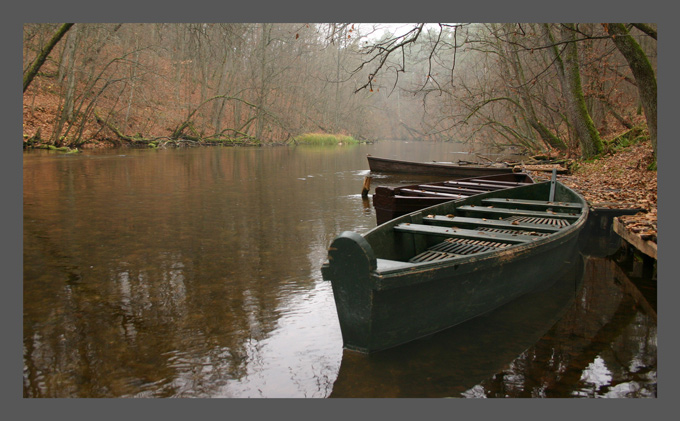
522	86
466	82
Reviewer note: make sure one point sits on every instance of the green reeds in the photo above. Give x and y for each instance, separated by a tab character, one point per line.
324	139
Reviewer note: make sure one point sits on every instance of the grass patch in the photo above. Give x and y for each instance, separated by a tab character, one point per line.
625	140
324	139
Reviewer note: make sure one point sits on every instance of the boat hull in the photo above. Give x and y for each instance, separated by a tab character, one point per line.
387	165
450	297
383	301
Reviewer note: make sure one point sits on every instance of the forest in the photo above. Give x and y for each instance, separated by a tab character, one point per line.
174	231
567	89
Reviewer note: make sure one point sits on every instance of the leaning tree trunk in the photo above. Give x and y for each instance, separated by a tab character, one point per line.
66	114
28	77
642	71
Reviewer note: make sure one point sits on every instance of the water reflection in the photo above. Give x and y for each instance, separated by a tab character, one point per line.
195	273
180	273
548	344
453	361
606	353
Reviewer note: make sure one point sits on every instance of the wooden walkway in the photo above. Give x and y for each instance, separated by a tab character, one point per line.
646	247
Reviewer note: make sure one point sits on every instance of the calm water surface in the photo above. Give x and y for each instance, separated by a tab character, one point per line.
196	273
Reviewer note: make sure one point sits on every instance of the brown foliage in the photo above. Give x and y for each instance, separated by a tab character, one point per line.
622	181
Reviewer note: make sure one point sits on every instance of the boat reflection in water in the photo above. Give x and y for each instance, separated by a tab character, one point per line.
450	362
604	346
593	333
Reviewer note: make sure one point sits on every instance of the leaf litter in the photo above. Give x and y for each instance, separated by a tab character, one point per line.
620	180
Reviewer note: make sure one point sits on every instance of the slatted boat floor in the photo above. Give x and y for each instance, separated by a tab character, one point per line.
508	231
539	220
452	247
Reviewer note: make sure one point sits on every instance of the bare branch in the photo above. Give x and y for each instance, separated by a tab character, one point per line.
382	50
646	29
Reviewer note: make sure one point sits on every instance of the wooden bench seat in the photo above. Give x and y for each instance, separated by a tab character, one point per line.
517	212
445	189
475	185
384	265
463	221
501	182
534	203
427	193
454	232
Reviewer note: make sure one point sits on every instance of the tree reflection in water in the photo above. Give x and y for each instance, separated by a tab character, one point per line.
610	352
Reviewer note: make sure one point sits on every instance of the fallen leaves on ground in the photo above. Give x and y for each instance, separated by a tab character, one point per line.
620	181
544	167
642	224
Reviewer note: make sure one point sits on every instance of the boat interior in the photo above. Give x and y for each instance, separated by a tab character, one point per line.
475	225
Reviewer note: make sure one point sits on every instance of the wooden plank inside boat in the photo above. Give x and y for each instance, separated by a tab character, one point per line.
516	212
465	221
463	233
533	203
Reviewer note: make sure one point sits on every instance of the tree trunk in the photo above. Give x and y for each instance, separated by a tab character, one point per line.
263	85
71	76
66	114
642	71
28	77
532	118
133	83
567	64
218	106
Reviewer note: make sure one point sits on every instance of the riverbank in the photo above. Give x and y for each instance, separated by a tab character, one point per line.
621	180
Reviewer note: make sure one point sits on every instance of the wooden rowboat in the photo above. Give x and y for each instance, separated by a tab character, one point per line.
432	269
447	169
391	202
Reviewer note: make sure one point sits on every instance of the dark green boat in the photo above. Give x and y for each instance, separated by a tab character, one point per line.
432	269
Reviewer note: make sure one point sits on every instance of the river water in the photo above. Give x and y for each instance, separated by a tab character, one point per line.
196	273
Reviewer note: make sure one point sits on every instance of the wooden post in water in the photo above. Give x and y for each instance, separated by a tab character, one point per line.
367	187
